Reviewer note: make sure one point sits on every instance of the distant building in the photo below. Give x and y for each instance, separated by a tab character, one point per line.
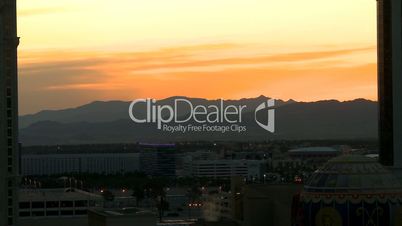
158	159
178	201
225	168
201	155
315	154
251	155
185	160
286	163
217	207
9	150
102	163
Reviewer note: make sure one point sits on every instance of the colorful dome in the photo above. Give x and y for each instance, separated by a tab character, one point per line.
351	190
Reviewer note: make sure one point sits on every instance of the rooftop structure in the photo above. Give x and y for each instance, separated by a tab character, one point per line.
121	217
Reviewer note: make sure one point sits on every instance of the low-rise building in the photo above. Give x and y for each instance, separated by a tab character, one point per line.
286	163
158	159
62	207
56	202
217	207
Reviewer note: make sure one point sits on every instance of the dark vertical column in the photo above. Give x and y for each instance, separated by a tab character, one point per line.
390	81
385	96
9	150
396	15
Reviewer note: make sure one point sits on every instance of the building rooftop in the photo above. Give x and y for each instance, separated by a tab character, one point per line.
218	161
80	149
152	145
131	211
55	194
313	149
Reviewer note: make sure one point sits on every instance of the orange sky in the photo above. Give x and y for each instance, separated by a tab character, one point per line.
72	52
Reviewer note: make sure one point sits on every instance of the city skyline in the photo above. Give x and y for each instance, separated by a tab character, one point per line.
72	54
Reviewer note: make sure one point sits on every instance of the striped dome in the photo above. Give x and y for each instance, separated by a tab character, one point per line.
350	190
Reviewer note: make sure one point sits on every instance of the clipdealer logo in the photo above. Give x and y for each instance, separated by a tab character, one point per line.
268	106
183	116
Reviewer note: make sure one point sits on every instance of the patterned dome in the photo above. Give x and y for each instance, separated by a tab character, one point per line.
350	190
352	173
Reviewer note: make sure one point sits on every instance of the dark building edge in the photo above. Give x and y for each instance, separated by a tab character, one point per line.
9	148
385	91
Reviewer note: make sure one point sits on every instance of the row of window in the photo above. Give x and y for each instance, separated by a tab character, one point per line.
55	165
52	213
54	204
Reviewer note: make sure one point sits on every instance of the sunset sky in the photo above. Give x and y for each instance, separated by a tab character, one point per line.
73	52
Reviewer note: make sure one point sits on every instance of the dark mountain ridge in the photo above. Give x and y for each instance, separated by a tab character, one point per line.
109	122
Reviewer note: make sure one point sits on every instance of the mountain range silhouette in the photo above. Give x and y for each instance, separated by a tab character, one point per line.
109	122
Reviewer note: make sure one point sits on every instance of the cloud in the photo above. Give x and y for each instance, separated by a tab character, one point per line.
177	57
252	60
210	71
85	86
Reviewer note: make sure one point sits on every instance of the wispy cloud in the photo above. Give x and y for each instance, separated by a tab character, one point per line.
86	86
181	58
211	71
250	61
